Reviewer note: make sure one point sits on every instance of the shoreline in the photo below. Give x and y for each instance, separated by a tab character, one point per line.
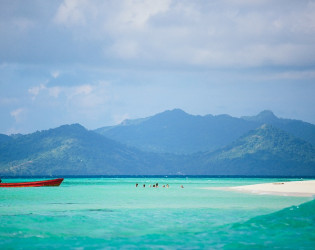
291	188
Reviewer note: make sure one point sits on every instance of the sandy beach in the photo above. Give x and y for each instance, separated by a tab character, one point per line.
293	188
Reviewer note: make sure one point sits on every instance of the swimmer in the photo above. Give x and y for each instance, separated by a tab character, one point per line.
136	184
153	185
182	186
144	185
157	184
164	186
167	186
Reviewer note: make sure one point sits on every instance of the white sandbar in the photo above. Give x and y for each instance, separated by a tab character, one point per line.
293	188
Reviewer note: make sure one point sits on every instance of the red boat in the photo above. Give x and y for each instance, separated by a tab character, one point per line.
54	182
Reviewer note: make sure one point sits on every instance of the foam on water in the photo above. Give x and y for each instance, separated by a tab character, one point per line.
112	212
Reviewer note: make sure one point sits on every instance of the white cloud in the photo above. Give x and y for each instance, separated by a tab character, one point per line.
244	34
216	33
136	13
90	99
54	91
87	99
125	49
120	14
70	12
247	2
55	74
18	114
34	91
82	90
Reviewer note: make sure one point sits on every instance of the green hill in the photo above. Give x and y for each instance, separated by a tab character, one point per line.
73	150
265	151
300	129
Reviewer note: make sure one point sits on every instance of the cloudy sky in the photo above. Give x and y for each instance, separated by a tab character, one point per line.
98	62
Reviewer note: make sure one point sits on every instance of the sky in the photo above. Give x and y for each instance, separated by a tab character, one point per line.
98	62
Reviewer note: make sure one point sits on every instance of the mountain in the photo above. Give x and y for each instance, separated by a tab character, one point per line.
300	129
4	138
266	151
266	117
73	150
178	132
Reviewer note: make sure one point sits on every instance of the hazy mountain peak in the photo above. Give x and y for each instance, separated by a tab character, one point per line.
129	122
170	115
174	112
68	129
75	126
265	116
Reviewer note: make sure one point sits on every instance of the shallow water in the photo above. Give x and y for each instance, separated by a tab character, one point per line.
113	213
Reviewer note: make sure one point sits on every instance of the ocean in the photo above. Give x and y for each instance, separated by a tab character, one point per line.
112	213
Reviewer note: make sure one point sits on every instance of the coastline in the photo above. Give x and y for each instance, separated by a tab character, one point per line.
291	188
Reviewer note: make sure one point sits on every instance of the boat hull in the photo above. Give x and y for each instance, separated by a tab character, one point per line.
54	182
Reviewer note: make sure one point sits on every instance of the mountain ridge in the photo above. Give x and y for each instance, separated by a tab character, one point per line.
74	150
176	131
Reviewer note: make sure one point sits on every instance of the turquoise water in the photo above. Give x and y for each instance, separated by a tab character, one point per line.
97	213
